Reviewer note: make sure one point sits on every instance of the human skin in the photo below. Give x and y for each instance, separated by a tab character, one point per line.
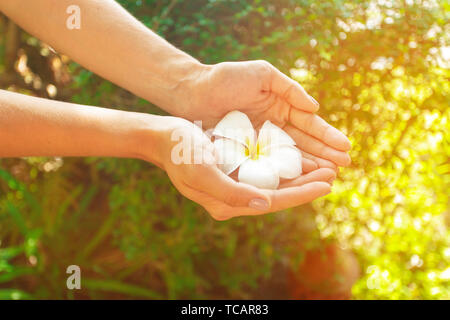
32	126
113	44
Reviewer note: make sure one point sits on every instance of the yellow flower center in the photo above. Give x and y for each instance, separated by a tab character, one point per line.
253	150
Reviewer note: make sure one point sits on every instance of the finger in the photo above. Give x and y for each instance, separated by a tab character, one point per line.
324	174
292	91
312	145
295	196
315	126
209	179
308	165
282	199
321	163
217	209
288	198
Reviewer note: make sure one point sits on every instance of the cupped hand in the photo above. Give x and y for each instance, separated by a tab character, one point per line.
264	93
198	178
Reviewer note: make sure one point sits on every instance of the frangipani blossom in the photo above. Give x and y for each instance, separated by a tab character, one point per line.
262	160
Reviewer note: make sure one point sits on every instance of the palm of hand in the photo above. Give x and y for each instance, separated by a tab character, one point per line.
264	93
221	195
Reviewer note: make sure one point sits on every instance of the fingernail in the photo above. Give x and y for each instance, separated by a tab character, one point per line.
348	160
348	144
313	100
259	204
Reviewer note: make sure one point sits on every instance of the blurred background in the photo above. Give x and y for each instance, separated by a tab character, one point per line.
380	70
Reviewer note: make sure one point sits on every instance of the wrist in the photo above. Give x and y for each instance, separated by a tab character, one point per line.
169	84
151	137
142	137
186	90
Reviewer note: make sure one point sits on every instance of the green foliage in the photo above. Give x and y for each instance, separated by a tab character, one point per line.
380	76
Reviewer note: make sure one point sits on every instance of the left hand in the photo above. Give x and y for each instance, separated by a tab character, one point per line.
264	93
203	182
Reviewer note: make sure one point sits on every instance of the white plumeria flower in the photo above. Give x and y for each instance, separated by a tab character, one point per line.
261	161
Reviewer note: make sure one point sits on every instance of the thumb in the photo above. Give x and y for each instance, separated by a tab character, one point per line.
235	194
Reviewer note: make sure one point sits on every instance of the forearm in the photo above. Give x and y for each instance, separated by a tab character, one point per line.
32	126
113	44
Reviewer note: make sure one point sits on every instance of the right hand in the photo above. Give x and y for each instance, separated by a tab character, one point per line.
218	193
264	93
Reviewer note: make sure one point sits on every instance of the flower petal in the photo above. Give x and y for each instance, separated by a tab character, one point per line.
287	160
272	136
236	126
230	154
259	173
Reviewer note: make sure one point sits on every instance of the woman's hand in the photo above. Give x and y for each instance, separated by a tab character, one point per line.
264	93
175	144
178	83
187	155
